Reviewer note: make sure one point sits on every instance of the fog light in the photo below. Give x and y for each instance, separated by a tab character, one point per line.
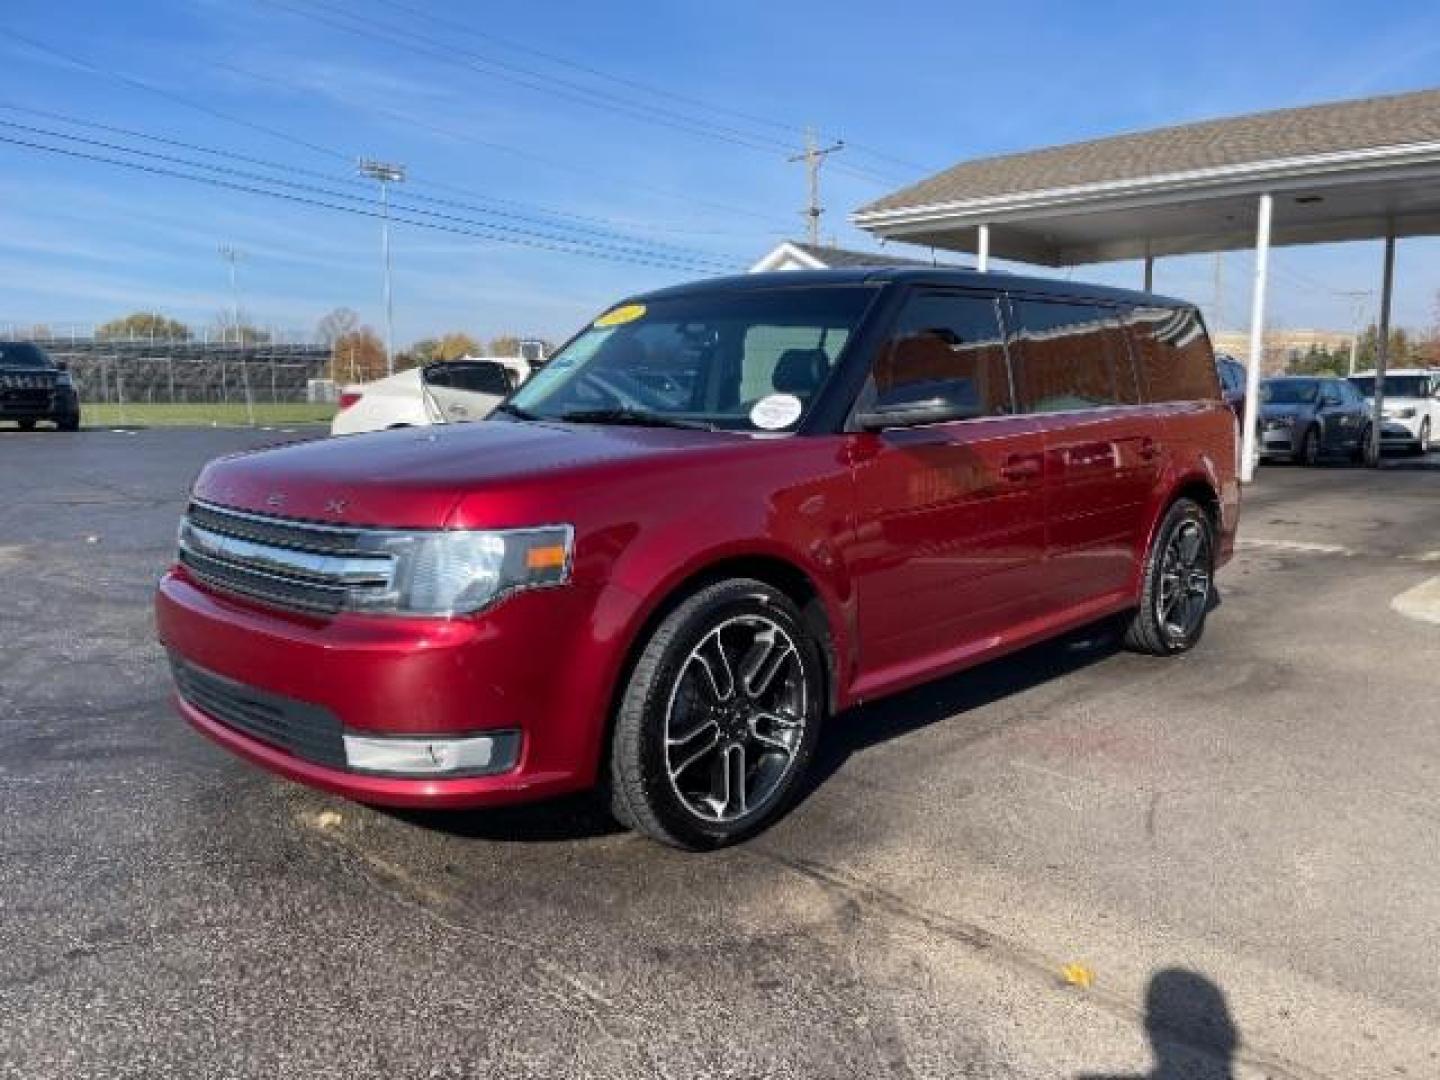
479	755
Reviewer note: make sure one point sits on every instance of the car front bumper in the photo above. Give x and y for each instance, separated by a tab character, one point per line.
1401	430
1276	442
284	691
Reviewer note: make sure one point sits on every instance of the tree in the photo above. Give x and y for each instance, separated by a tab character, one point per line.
143	324
505	345
357	356
457	344
451	346
1401	353
235	328
425	351
336	324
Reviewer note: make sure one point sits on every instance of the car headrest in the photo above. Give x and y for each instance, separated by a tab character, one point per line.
800	371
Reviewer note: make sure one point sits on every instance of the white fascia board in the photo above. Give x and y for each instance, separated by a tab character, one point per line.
787	252
1118	194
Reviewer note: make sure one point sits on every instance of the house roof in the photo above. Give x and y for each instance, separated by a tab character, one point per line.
1338	127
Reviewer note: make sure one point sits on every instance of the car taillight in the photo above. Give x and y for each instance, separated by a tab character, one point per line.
348	398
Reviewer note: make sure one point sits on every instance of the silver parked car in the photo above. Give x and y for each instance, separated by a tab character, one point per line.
1306	417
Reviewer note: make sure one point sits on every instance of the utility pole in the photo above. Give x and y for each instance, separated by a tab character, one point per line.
1360	298
814	156
233	255
385	174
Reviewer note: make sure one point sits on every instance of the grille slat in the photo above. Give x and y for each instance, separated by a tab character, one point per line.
281	562
308	731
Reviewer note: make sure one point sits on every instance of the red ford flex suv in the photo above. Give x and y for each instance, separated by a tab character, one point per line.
720	514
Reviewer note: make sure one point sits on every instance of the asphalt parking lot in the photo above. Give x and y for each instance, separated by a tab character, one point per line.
1076	863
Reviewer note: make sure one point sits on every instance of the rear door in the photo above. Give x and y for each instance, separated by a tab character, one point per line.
1074	373
950	527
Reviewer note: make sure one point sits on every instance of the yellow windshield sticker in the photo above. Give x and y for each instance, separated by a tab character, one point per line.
621	315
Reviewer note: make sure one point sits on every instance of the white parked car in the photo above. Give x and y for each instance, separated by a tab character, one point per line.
1412	405
446	392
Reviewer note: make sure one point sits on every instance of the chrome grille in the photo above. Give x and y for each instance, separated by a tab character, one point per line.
23	380
281	562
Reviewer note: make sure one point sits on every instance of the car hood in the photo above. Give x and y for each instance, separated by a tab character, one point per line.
414	477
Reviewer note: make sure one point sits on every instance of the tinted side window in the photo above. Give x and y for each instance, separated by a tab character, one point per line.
1070	356
949	346
480	379
1174	355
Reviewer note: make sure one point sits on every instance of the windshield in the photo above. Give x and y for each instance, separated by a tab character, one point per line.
22	354
1416	386
736	360
1291	391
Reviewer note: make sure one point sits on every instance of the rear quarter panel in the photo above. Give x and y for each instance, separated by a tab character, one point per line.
1202	445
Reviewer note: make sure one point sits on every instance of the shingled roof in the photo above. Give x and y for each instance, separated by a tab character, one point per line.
1347	126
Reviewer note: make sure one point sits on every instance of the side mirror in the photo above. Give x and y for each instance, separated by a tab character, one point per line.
915	413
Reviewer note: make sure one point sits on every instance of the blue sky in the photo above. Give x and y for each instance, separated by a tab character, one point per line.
513	139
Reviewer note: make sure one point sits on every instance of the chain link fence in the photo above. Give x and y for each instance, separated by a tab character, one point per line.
198	382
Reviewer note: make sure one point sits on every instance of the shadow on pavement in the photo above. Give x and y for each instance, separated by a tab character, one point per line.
1192	1035
949	698
577	817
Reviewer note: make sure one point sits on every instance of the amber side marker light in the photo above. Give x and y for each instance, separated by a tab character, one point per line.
549	557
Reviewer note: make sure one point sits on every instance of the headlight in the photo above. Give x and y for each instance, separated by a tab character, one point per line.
1274	423
1400	414
455	573
64	380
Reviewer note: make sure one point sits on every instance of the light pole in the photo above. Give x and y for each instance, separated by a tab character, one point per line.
385	174
233	255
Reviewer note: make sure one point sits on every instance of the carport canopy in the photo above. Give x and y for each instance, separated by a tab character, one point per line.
1351	170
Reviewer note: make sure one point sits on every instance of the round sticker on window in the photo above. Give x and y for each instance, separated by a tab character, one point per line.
621	315
776	411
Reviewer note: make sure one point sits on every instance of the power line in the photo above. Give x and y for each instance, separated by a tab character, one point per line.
650	89
449	53
310	173
479	230
527	155
696	258
332	152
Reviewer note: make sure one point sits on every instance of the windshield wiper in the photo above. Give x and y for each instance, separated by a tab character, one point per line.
632	417
515	411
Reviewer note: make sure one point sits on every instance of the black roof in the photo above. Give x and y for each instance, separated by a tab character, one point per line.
912	275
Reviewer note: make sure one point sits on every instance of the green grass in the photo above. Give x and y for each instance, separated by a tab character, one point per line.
230	414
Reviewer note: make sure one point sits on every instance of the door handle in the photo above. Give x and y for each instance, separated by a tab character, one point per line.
1020	467
1149	449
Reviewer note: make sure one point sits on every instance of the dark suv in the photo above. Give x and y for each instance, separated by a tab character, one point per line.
720	514
33	387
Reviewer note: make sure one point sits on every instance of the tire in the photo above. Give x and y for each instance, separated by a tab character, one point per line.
1363	454
1308	452
662	779
1158	627
68	423
26	425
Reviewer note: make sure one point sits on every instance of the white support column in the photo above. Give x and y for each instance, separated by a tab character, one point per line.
982	250
1382	346
1248	448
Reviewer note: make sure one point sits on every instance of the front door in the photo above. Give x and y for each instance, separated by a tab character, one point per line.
950	527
